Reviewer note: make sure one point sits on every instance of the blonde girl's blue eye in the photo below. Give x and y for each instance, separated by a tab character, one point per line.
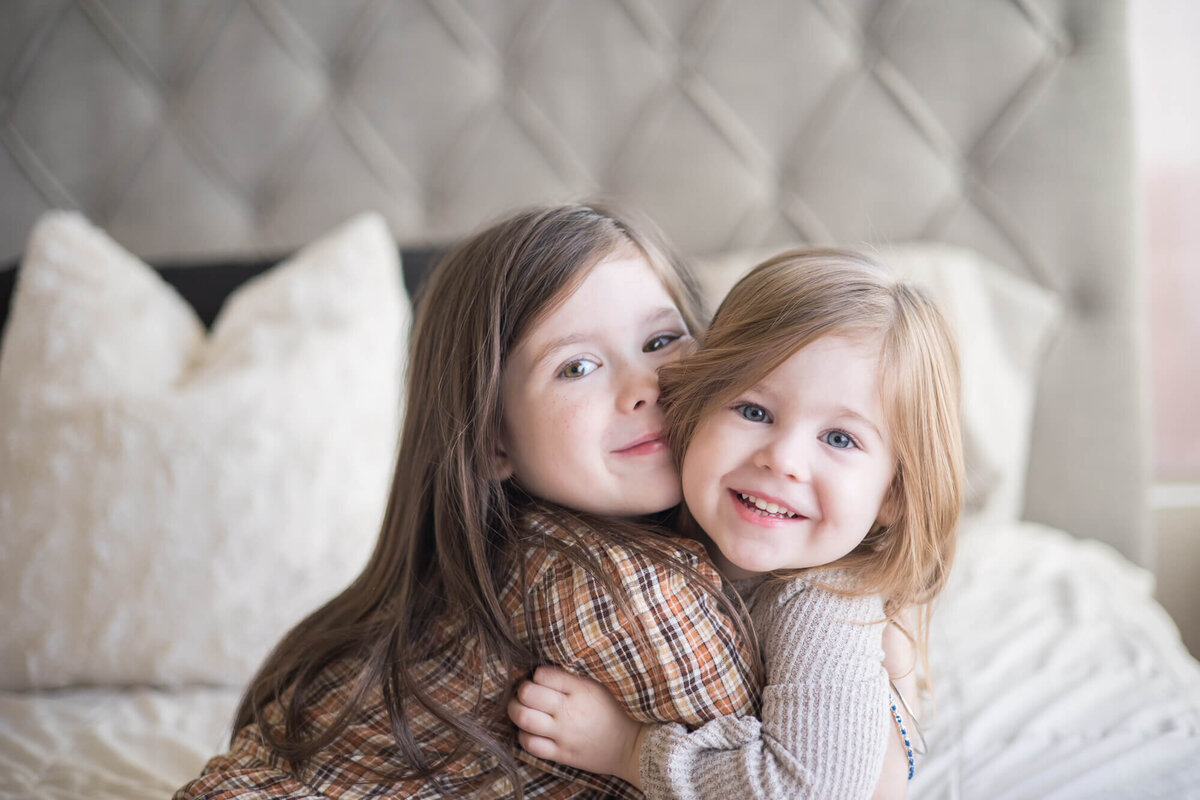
838	439
659	341
578	368
752	412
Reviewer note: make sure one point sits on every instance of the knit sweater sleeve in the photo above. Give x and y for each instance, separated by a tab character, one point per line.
824	724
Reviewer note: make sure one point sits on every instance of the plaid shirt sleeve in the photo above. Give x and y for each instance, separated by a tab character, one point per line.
691	666
693	670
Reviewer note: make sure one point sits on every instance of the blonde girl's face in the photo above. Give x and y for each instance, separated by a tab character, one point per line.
581	425
793	472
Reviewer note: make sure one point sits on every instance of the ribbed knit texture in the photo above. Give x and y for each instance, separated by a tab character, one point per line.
824	721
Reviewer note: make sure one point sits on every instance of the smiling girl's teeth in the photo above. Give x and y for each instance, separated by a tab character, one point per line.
763	505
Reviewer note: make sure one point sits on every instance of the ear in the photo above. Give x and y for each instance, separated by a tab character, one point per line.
501	466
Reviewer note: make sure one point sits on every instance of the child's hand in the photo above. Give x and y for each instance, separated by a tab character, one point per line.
577	722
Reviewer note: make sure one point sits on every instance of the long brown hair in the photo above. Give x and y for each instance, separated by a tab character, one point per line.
448	534
790	301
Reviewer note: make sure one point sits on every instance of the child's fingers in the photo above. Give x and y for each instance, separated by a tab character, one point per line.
538	746
542	698
558	679
529	719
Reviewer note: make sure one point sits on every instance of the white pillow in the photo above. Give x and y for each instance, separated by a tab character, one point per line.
1003	323
172	502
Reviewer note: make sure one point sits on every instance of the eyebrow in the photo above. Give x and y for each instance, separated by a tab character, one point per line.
852	414
662	313
555	345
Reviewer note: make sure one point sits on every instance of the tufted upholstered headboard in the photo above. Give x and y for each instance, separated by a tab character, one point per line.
217	128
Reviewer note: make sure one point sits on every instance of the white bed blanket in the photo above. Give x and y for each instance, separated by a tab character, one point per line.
104	744
1057	677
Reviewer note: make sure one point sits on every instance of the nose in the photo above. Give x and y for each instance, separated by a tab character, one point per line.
785	456
639	388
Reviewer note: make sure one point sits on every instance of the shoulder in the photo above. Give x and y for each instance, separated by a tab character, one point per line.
646	628
825	593
588	574
812	632
545	533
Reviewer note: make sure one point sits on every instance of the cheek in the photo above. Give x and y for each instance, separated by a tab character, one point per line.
551	417
700	467
884	479
693	488
567	422
891	502
871	499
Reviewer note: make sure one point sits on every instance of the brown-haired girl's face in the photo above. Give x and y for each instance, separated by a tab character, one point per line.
581	425
792	472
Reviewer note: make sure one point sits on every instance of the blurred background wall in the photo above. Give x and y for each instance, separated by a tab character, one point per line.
1166	63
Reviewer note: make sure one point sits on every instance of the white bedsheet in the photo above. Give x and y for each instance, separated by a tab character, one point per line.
105	744
1057	677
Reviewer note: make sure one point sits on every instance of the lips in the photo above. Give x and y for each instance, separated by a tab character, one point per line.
651	442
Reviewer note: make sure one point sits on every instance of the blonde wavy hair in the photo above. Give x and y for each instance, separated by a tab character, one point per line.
798	297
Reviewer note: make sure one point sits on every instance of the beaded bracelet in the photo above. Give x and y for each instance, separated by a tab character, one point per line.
903	735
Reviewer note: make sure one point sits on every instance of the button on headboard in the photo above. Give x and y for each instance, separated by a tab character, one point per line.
218	127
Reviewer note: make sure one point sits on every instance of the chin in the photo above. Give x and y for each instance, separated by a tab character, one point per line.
756	562
652	503
655	507
627	506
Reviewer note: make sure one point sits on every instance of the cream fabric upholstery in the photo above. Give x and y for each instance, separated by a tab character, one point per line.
149	471
214	127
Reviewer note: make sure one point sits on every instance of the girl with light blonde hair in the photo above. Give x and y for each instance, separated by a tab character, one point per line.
819	439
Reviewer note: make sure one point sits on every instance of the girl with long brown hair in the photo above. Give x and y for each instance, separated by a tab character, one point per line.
524	526
819	436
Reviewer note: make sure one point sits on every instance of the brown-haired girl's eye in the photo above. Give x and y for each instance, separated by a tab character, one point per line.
577	368
659	341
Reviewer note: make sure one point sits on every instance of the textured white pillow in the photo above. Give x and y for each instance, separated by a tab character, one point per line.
1003	323
172	502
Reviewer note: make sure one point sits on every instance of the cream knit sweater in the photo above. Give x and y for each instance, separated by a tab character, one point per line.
825	717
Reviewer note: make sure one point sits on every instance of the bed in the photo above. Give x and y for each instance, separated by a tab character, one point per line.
192	457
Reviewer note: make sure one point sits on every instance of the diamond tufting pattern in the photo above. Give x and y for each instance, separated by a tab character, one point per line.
219	127
109	100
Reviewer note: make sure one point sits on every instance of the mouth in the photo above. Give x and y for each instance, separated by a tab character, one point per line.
762	507
644	445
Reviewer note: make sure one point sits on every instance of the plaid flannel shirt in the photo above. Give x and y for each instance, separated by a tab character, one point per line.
694	669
